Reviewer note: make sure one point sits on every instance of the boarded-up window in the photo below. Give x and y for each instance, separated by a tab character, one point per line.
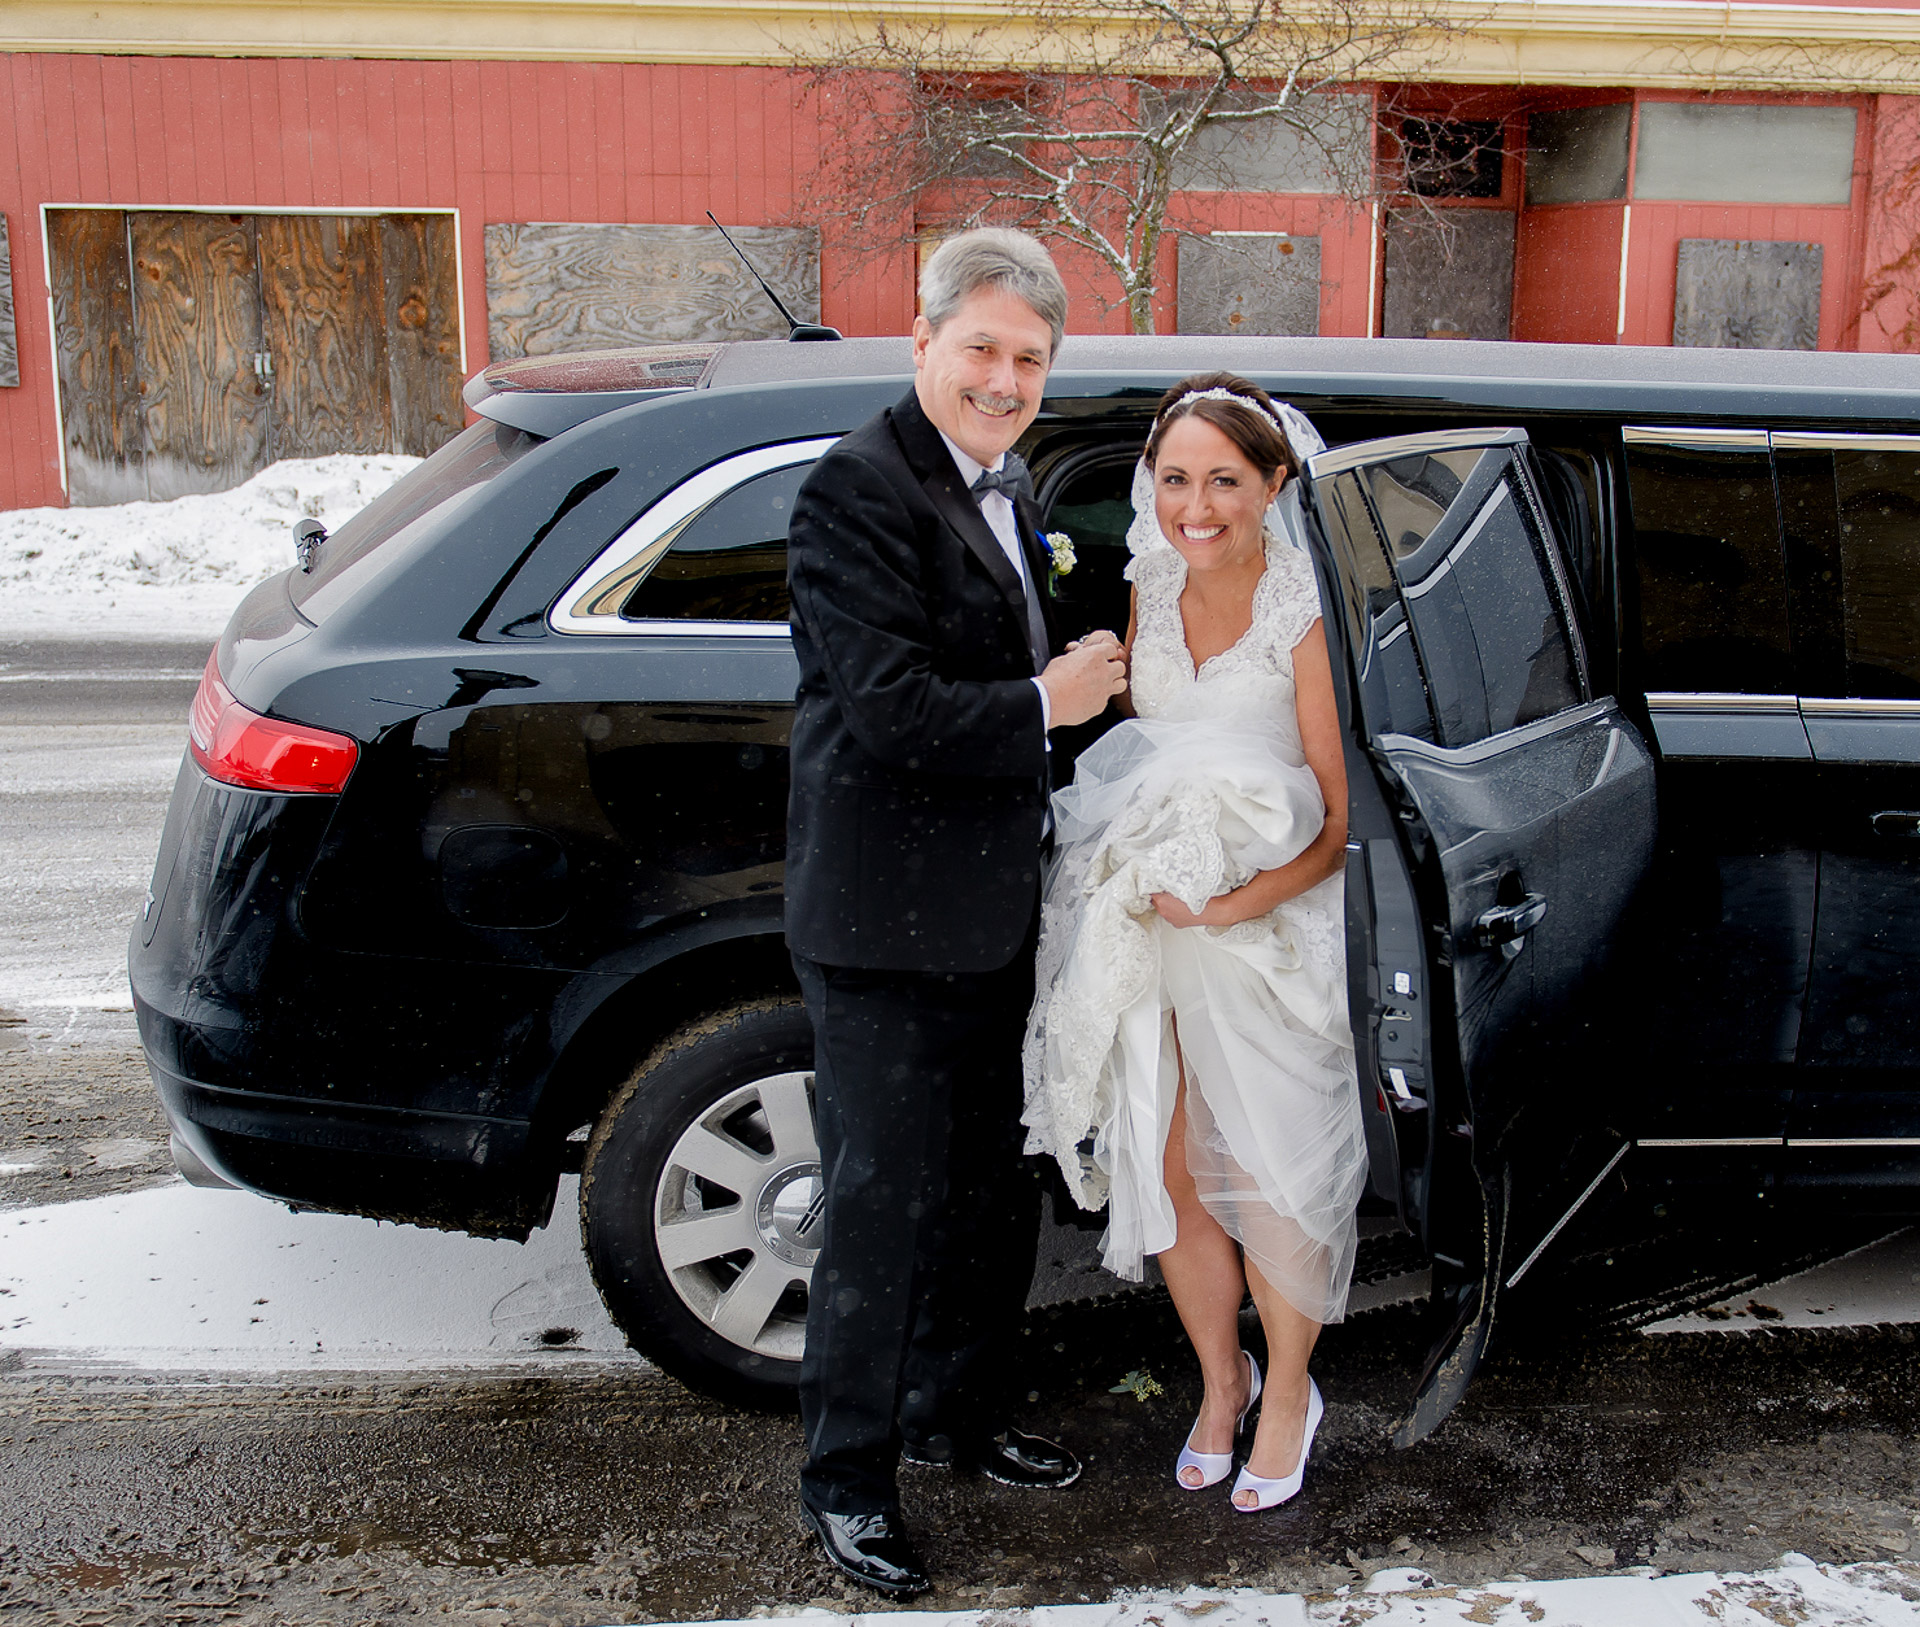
1263	282
9	345
1747	296
1331	142
1449	277
1719	153
558	287
195	347
1578	154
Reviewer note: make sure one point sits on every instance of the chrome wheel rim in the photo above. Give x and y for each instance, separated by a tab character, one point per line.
737	1215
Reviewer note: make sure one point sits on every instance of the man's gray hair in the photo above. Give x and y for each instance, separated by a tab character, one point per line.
993	257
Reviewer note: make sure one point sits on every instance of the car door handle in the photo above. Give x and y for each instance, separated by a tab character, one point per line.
1510	922
1899	823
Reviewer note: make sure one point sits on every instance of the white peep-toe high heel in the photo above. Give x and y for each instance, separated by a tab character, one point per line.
1215	1466
1272	1493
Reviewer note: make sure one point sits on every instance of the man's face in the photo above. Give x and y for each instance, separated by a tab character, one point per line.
979	376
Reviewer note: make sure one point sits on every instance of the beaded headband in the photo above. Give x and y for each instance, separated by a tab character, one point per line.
1219	394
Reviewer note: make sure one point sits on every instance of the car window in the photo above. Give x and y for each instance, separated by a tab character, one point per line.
1394	687
1710	569
350	555
729	561
1412	495
1491	628
1878	497
1569	482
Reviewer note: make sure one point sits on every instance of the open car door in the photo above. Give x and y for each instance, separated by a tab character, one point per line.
1502	821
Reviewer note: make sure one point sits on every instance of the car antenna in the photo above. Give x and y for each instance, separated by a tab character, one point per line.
798	330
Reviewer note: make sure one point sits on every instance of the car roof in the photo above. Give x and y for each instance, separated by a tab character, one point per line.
1657	384
1479	374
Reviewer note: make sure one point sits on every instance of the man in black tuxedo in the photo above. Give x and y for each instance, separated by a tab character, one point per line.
928	682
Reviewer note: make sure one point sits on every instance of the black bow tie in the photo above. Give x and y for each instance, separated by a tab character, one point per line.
1011	478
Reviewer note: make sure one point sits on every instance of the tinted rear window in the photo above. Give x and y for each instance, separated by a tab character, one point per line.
730	563
1712	574
351	554
1879	502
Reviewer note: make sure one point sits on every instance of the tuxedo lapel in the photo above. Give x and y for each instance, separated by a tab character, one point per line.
939	478
1039	566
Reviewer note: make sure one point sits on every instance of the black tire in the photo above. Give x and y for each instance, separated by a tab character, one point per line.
705	1269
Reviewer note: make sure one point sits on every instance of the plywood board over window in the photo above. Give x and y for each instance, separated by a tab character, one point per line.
196	327
195	347
1449	277
1747	296
100	416
9	343
326	321
1267	282
560	286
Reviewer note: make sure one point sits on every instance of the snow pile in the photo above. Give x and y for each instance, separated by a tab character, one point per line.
175	568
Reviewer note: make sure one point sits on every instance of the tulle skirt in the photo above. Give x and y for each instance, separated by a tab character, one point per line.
1255	1014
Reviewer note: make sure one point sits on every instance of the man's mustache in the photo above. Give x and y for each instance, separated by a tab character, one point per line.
996	403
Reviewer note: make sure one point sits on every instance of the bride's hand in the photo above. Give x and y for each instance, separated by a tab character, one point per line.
1219	911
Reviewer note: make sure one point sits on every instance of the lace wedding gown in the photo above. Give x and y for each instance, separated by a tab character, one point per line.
1205	787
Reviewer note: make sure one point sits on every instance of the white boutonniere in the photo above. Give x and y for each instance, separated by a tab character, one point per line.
1061	556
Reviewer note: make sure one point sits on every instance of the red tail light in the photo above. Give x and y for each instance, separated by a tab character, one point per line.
243	748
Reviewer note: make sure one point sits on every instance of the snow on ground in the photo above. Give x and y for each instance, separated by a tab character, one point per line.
172	569
210	1280
223	1281
1874	1284
1797	1591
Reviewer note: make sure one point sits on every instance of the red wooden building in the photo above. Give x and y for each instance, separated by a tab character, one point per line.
244	232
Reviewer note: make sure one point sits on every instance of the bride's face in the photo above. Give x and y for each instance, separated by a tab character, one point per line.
1210	501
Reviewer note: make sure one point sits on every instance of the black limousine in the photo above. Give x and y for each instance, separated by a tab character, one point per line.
472	875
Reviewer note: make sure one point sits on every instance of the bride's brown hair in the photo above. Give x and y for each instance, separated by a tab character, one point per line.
1257	435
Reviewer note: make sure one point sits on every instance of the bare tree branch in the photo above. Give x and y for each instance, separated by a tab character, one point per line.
1112	107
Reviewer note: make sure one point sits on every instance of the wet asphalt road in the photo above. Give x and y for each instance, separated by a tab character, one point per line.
580	1495
106	681
90	736
583	1498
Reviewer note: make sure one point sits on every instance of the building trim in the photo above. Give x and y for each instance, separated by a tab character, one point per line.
1683	44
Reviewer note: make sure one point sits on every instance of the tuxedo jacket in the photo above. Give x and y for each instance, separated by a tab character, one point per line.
919	765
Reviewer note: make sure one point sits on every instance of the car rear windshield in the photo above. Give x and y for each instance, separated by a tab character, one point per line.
353	553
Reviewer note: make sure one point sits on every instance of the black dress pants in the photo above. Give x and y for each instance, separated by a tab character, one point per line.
932	1217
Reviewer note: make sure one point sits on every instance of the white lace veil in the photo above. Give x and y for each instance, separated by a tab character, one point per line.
1284	516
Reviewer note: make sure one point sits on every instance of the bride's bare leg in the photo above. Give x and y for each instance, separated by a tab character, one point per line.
1283	1403
1203	1275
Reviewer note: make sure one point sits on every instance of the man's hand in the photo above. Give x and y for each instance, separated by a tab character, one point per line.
1080	683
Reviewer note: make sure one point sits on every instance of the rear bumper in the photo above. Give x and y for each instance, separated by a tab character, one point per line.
457	1172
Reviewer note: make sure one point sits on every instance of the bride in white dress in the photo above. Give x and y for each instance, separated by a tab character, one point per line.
1188	1059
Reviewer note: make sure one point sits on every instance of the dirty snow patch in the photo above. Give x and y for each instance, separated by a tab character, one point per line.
175	568
184	1278
1879	1283
1797	1591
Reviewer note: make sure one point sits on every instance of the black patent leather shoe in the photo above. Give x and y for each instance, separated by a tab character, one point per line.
1011	1457
870	1548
